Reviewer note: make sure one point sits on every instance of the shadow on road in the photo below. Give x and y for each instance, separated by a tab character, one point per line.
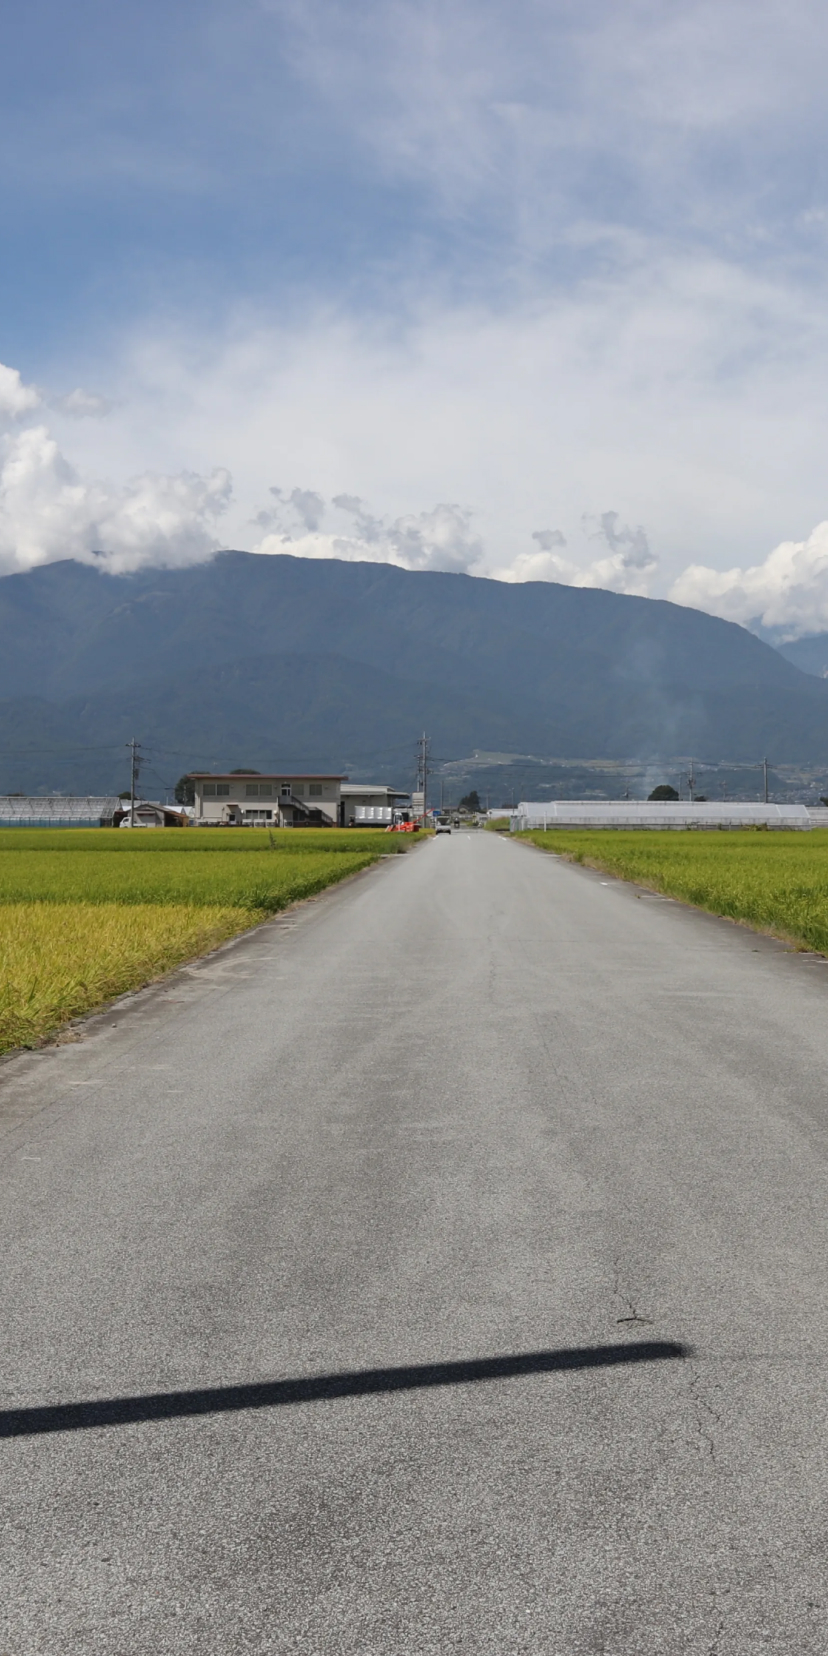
325	1388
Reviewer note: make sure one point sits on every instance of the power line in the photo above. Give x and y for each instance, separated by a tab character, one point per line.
25	753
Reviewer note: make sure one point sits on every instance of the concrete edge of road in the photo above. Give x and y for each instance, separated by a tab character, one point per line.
751	935
137	1001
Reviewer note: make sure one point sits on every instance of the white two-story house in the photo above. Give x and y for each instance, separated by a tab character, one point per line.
248	799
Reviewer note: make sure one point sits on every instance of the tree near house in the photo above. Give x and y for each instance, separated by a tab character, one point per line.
663	791
470	801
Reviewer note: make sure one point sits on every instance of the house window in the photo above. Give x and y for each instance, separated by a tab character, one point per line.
254	818
265	790
209	790
223	790
315	788
285	790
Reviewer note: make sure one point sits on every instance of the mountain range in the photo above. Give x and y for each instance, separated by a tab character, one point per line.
283	661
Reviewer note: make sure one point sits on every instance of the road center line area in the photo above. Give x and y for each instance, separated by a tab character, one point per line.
451	1275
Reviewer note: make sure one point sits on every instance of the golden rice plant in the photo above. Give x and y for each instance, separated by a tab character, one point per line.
58	960
86	916
776	882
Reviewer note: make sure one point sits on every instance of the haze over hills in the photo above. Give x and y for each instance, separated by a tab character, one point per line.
809	654
338	665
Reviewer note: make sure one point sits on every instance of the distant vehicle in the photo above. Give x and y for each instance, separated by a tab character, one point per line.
442	827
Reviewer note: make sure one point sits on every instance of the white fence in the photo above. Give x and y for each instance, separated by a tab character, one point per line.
640	813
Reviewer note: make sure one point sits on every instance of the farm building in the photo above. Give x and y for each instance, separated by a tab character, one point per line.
149	813
364	803
247	799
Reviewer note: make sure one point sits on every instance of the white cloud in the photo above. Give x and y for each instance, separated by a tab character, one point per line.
308	506
15	397
49	511
441	539
629	568
51	508
683	393
788	592
546	117
84	405
589	252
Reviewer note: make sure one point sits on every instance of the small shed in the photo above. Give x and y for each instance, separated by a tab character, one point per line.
150	814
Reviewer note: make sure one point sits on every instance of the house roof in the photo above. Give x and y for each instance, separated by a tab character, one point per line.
150	805
356	788
262	776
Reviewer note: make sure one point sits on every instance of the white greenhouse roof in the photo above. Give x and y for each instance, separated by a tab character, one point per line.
641	813
58	810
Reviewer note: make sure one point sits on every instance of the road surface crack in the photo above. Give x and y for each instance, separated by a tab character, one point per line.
714	1648
632	1313
706	1416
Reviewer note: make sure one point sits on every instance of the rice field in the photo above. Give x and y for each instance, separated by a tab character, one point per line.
776	882
86	915
60	960
264	880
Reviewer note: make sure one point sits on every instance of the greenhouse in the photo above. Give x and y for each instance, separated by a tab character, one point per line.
57	810
645	813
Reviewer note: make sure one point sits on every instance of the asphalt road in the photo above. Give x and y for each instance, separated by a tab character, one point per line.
442	1268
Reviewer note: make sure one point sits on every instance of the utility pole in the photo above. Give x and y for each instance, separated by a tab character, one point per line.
765	769
134	747
691	780
422	771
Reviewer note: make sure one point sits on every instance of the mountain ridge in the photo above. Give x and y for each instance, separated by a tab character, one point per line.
335	663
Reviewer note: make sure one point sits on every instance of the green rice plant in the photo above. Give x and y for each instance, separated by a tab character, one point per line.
264	880
59	960
187	841
776	882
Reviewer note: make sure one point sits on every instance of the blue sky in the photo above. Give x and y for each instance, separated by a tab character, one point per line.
530	289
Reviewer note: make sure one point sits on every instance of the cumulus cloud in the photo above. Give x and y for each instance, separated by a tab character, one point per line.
84	405
629	568
630	545
440	539
788	592
302	505
547	539
15	397
49	510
